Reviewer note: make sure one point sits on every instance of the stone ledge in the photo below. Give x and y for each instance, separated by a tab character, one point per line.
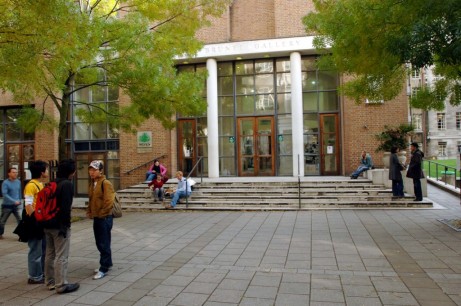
381	177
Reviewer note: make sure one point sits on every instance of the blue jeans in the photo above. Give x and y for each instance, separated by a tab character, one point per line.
359	170
150	176
177	195
102	234
35	259
158	193
6	212
397	188
417	189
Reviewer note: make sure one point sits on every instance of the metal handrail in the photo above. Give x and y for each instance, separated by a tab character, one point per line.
146	163
188	176
443	168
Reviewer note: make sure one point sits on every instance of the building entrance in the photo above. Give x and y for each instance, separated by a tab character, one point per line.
256	146
329	149
19	156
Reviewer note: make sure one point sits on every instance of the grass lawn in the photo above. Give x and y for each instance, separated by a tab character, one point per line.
435	171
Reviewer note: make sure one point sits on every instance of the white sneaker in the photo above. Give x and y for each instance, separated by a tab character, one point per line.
99	275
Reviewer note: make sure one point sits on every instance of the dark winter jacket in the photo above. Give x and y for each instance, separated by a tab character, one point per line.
395	167
414	169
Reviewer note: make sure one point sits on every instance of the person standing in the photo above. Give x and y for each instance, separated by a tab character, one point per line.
57	232
415	170
183	190
157	187
101	200
11	190
366	163
36	243
394	173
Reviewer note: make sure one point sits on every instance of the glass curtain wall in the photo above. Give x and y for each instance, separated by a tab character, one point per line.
95	140
200	132
319	96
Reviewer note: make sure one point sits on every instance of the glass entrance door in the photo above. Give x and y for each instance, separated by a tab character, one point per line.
329	144
19	156
256	146
186	141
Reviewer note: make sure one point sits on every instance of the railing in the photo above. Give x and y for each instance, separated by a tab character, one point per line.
145	164
439	172
199	161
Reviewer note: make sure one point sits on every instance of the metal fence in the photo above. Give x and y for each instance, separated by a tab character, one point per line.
445	174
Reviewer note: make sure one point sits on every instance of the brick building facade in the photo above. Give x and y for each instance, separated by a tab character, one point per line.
270	111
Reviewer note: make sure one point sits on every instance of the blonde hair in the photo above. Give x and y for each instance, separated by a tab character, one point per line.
179	172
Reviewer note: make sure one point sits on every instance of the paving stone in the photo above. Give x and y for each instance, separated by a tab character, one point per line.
292	300
226	296
261	292
324	295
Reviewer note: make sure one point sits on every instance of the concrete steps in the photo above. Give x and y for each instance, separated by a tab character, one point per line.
273	195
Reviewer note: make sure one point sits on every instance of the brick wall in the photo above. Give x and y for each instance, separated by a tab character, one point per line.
362	122
129	156
288	17
252	19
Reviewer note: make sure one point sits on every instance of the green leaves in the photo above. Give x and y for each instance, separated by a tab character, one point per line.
372	40
48	46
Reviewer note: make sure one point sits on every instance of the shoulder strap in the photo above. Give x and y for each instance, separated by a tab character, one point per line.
102	186
38	187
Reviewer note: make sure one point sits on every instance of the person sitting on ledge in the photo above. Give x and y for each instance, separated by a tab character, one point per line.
366	163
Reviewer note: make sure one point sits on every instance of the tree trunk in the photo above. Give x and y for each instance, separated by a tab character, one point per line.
62	127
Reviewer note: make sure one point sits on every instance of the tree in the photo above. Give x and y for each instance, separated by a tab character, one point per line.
375	40
56	48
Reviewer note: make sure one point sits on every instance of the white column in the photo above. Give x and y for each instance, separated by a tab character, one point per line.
297	113
212	116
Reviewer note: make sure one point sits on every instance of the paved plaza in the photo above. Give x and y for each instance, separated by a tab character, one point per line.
317	257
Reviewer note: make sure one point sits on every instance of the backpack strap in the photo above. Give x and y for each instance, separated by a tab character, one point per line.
102	186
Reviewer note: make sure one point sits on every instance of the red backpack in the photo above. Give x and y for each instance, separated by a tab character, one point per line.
46	207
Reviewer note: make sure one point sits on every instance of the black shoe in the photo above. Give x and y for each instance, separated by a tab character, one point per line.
35	282
68	288
418	200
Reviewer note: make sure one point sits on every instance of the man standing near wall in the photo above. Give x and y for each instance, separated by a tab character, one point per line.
415	171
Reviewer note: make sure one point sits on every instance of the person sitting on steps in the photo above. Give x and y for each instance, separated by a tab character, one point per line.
182	191
157	187
366	163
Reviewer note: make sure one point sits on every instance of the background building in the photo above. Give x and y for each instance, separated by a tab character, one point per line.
270	112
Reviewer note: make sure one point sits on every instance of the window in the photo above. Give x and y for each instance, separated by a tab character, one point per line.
415	74
458	120
414	90
441	121
442	146
418	121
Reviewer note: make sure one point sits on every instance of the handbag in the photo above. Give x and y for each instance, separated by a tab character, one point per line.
21	231
117	207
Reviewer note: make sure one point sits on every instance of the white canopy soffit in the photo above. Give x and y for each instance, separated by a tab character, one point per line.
254	49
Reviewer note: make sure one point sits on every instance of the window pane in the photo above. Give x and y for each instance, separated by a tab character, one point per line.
202	146
226	126
113	168
245	67
12	114
327	80
99	93
283	82
227	166
13	132
225	106
309	81
225	86
284	103
285	144
98	131
82	95
311	123
265	104
202	129
264	83
226	146
283	65
308	64
245	85
284	124
245	105
224	69
81	131
264	66
285	165
310	101
328	101
113	93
